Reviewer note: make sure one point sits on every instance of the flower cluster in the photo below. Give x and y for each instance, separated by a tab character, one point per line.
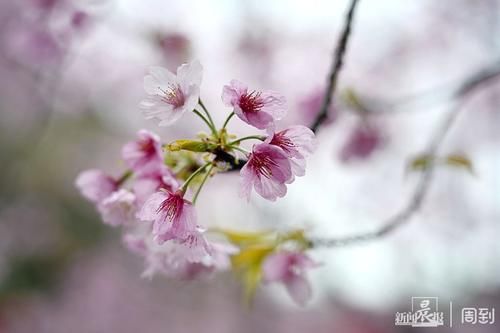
154	200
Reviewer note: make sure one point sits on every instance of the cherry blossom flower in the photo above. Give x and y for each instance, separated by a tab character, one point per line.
148	184
32	45
268	170
297	142
95	185
174	218
289	268
118	208
170	95
176	259
362	142
174	46
144	156
173	259
259	109
135	243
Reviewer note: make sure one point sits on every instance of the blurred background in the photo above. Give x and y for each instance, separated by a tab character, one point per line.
70	82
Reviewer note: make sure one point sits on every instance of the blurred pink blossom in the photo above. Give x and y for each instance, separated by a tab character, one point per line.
289	268
95	185
119	208
144	155
362	142
310	106
148	184
175	48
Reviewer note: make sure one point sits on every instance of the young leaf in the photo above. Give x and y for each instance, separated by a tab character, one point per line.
460	161
421	162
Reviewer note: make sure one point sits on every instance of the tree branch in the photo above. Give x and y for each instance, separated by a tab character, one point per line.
337	63
415	201
332	83
431	97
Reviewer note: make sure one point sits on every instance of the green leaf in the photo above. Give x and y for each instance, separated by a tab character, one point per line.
247	264
247	238
460	161
421	162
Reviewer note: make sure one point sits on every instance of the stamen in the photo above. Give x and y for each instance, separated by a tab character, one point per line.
147	147
251	102
263	165
283	142
173	95
172	207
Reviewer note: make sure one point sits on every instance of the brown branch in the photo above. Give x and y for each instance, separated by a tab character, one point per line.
415	201
430	97
421	190
337	63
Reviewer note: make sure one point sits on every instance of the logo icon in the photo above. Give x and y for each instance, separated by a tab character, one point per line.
424	313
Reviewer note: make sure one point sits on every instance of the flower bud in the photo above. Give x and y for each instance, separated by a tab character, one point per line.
191	145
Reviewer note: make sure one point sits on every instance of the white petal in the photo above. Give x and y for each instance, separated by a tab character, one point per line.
190	74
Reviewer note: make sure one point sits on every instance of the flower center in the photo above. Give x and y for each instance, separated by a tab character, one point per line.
251	102
173	95
172	207
263	165
147	146
283	142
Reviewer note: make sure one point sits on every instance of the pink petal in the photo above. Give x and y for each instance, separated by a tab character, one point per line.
270	189
303	138
144	155
260	120
180	228
247	178
118	208
299	289
149	210
134	243
95	185
298	166
275	267
229	96
275	104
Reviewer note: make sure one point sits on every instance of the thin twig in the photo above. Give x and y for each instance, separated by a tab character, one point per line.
338	60
336	66
415	201
433	96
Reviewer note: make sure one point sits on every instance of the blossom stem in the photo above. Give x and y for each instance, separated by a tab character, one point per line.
193	175
240	150
251	137
195	197
207	113
123	178
212	127
227	120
